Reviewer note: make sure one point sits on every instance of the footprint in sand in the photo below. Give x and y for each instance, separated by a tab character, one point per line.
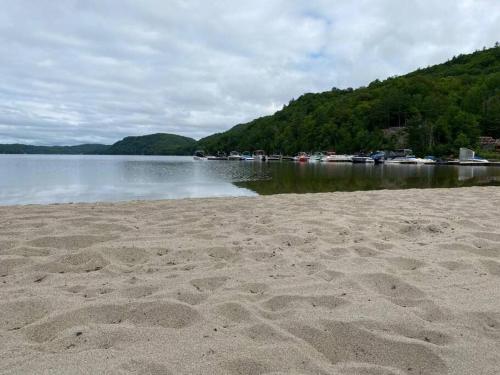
391	286
254	288
406	264
83	338
191	298
347	342
329	275
364	251
287	302
209	283
126	255
455	266
17	314
68	242
147	314
144	366
492	267
490	236
246	366
264	333
8	266
233	312
487	322
85	261
137	292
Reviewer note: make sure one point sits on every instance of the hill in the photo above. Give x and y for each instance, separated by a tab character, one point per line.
85	149
153	144
433	111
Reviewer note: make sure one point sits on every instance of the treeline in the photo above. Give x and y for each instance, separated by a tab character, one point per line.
85	149
153	144
433	111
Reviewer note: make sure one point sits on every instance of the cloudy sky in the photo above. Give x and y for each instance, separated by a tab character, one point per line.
75	71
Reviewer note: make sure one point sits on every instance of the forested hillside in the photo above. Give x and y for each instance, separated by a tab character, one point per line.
85	149
433	111
153	144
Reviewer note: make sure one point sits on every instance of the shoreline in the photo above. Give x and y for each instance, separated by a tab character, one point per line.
257	196
367	282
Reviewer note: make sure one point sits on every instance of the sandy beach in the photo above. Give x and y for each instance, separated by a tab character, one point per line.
379	282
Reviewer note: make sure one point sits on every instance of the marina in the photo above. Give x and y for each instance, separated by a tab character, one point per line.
467	157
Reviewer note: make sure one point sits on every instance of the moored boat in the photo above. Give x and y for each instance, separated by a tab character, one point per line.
317	156
332	157
426	160
409	159
362	159
301	157
218	156
246	155
468	157
234	155
260	155
378	157
274	157
199	155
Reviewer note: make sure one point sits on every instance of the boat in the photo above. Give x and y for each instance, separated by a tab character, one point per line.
287	158
426	160
468	157
260	155
218	156
199	155
378	157
362	159
317	157
274	157
409	159
301	157
332	157
234	155
246	155
402	156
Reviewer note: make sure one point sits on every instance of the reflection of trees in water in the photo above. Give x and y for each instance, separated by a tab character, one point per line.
325	177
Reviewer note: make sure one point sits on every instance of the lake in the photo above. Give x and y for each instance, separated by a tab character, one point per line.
26	179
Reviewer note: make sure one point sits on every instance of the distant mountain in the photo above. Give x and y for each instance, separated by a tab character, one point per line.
433	111
85	149
153	144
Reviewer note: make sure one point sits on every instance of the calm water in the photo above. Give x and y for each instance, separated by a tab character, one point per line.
73	178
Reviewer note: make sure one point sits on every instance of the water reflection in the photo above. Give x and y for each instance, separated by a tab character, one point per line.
325	177
71	178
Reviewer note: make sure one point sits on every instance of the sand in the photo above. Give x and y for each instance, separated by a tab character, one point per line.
381	282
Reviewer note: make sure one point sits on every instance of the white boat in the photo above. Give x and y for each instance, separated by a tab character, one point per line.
199	155
218	156
468	157
301	157
362	159
260	155
246	155
234	155
334	158
274	157
425	161
317	157
410	159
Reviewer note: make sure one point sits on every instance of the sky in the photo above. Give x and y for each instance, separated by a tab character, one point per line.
95	71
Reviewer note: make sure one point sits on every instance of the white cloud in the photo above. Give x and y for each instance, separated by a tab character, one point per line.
95	71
